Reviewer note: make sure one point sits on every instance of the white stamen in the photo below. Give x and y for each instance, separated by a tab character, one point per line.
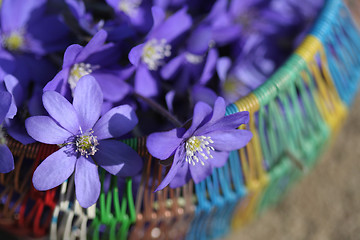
129	7
79	70
154	52
86	143
198	145
193	58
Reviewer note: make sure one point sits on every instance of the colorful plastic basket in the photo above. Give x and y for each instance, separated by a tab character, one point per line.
293	117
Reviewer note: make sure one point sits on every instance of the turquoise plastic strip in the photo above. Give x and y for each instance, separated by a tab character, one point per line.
335	26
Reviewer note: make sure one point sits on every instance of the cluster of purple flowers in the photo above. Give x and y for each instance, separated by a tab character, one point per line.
83	74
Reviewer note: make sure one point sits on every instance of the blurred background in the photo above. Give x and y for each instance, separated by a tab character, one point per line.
325	205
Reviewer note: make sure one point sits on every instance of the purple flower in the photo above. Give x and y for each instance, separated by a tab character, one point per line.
256	60
26	27
205	145
7	110
84	139
99	60
148	57
195	63
135	12
237	19
84	19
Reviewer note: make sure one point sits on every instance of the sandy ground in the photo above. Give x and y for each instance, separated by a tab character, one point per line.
325	205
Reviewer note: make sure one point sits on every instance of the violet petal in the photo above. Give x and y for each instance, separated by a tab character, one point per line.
118	158
55	169
172	27
135	54
158	16
113	87
88	99
230	140
198	171
204	94
70	55
182	176
226	34
222	67
6	159
198	41
209	67
201	111
145	83
87	183
170	69
163	144
61	110
93	45
44	129
228	122
219	158
179	160
116	122
5	102
13	86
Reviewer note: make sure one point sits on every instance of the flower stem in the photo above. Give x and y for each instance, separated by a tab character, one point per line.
158	108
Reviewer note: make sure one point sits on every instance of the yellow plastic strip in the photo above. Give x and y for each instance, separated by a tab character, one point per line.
329	103
257	173
251	158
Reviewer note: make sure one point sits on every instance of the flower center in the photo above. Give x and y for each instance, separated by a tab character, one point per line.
86	144
193	58
14	41
77	71
154	52
198	145
129	7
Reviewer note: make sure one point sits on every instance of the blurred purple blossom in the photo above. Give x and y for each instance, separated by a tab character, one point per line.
97	59
26	27
195	64
83	19
149	56
135	12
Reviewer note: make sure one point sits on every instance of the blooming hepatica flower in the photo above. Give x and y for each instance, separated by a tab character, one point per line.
84	140
149	56
84	20
135	13
205	145
194	63
99	60
26	27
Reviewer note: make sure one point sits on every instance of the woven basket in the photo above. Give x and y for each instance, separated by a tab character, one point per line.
293	117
